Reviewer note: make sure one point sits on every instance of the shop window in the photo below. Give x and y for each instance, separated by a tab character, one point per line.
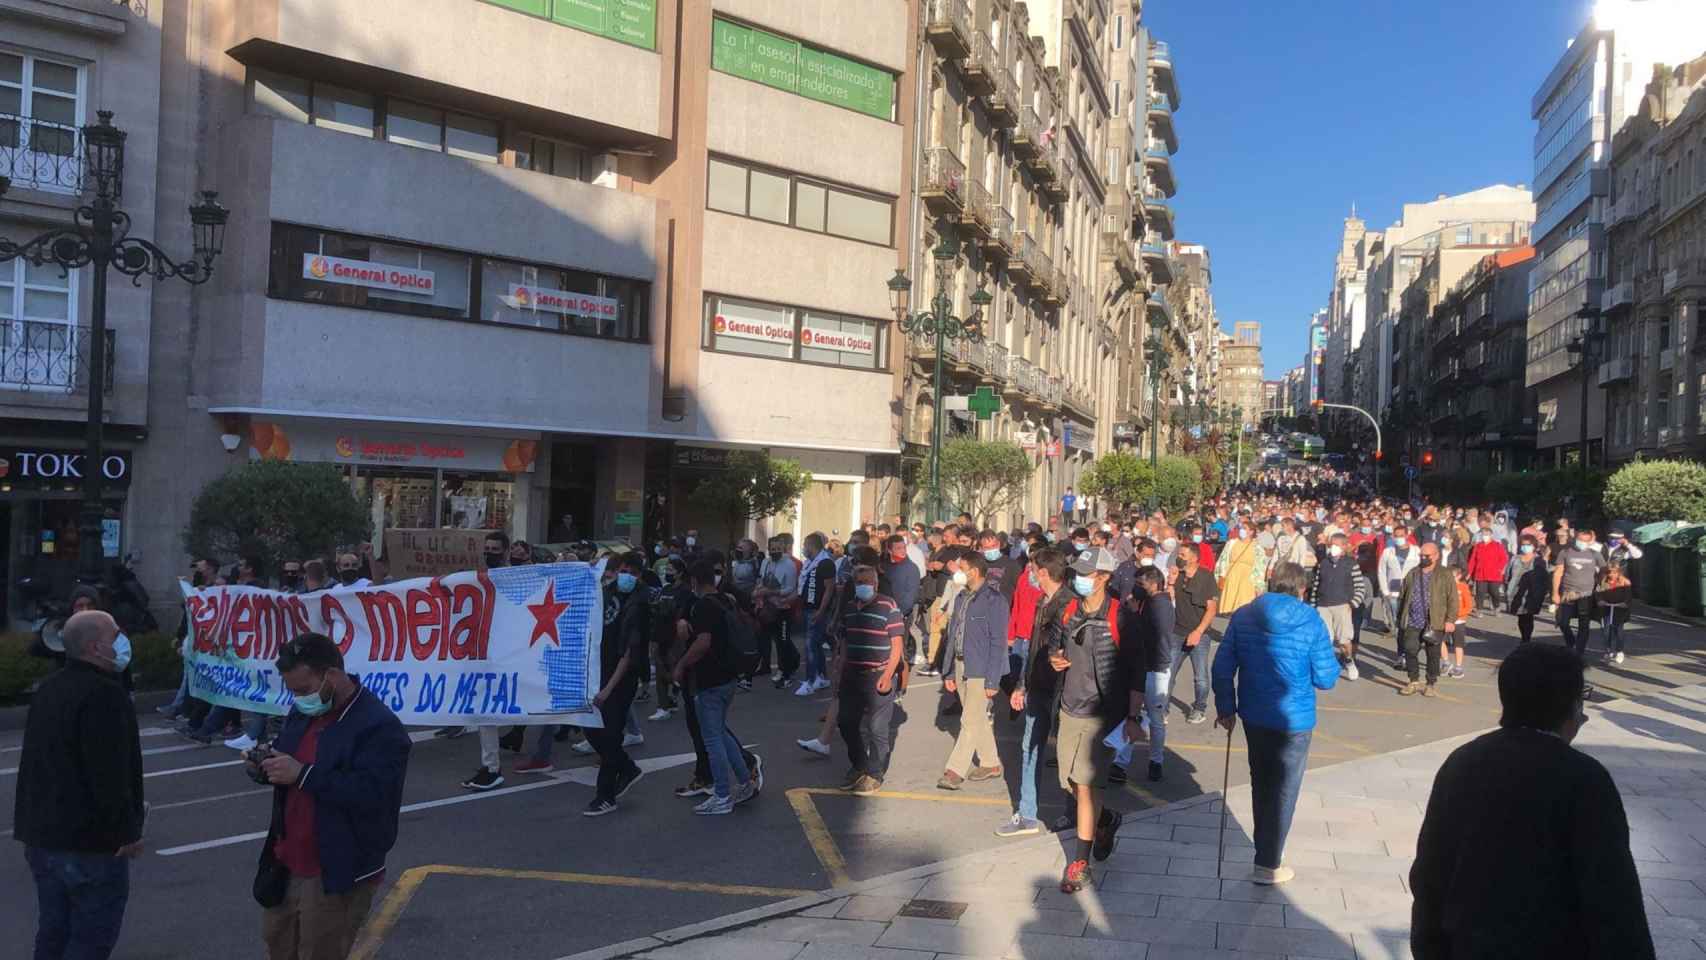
40	109
790	333
792	200
472	501
568	301
544	155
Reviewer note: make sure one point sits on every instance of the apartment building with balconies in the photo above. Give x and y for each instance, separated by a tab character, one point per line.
61	63
1481	415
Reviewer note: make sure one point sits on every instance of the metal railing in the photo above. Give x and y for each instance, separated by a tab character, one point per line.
943	172
977	200
41	155
1043	266
1160	52
1053	389
951	14
48	357
1000	224
983	56
1000	362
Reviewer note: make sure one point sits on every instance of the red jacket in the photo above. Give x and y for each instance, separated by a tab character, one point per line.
1025	598
1487	561
1205	555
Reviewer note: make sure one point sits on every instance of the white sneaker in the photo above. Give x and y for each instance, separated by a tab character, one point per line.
1351	670
715	806
661	713
745	792
1618	658
241	743
633	739
814	745
776	676
583	748
1267	878
821	683
805	689
918	660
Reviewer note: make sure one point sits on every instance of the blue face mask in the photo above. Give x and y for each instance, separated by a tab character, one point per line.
1083	586
313	704
121	652
992	554
625	582
864	591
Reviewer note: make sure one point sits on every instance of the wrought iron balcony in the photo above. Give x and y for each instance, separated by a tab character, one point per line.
1617	295
999	240
1042	266
1616	370
948	26
48	358
974	215
41	155
1027	135
942	185
1003	101
1019	262
978	70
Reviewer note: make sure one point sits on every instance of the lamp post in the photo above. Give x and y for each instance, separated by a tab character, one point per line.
939	324
100	237
1157	354
1585	345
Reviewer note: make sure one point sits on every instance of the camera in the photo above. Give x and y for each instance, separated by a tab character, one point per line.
253	768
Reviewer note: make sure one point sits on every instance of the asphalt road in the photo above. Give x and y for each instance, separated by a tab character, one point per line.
519	873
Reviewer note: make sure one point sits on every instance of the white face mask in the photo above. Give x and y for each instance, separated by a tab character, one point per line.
1170	544
1400	541
1146	561
960	577
1335	551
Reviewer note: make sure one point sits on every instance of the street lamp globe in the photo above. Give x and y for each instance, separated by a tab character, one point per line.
103	156
900	290
207	219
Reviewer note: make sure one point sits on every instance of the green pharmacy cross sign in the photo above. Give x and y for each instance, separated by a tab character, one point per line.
983	402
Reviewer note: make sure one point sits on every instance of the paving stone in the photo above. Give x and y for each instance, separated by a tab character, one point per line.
1200	887
1678	950
1042	946
728	948
1297	858
1146	830
1031	919
1312	943
864	907
1199	933
1368	863
906	933
818	930
829	909
900	889
1191	908
1127	862
1180	867
1311	893
847	951
1167	951
1378	947
1100	901
1692	907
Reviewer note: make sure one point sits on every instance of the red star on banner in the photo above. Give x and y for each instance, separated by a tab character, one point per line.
545	614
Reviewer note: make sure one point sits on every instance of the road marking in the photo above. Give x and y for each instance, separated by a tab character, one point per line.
149	732
1371	710
818	835
943	797
151	752
376	930
1337	741
204	766
580	775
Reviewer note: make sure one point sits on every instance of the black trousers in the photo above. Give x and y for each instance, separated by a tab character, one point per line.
1488	594
1525	626
613	760
778	636
865	718
1414	642
1575	622
702	760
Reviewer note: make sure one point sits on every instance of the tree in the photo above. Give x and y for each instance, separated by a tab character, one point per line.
1121	477
984	477
754	486
275	510
1657	490
1178	481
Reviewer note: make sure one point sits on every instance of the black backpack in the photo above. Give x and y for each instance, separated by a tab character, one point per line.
740	653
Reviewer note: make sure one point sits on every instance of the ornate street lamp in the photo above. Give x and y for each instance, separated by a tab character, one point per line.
939	324
1158	357
100	238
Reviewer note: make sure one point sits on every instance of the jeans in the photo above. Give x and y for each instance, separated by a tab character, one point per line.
1359	616
721	748
81	898
254	724
1575	622
1155	700
1199	670
1488	594
607	740
1039	716
702	759
816	668
1613	633
1277	759
1415	642
1391	612
865	718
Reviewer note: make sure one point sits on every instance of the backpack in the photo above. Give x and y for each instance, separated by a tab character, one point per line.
740	653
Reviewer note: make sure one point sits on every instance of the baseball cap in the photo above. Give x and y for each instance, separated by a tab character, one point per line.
1095	560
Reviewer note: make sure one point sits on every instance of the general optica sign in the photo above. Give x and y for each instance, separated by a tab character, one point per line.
365	273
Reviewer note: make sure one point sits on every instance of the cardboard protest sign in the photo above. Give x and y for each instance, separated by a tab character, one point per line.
411	553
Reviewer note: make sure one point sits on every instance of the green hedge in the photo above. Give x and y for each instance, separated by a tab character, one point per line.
154	665
1658	490
1535	492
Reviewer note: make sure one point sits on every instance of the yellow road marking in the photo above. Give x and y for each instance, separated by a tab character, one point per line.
1207	748
379	926
1143	793
1357	747
818	835
1378	713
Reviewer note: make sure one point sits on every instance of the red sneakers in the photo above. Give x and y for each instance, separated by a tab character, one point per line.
533	766
1076	877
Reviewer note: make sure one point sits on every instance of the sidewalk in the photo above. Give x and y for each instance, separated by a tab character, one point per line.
1158	898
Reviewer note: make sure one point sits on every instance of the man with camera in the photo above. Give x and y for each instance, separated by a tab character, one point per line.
338	766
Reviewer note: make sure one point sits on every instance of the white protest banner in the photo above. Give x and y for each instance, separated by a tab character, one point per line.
507	645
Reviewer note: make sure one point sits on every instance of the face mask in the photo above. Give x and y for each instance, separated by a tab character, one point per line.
960	578
1080	546
1366	529
1049	536
1527	548
1400	541
1083	586
692	541
1106	528
1170	544
121	652
718	580
313	704
1335	551
1243	534
1146	561
992	554
1196	538
291	579
658	550
625	582
1427	561
1031	575
1581	544
348	577
864	591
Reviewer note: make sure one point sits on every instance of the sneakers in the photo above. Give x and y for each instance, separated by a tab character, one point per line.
533	766
1155	773
1018	826
242	743
980	774
643	694
1410	689
634	740
776	677
626	780
205	739
1348	670
598	808
814	745
804	689
661	713
448	733
715	806
1431	690
745	684
1268	878
168	709
1196	715
694	788
744	792
1457	672
483	779
1076	877
847	782
866	785
1618	658
755	763
950	781
821	683
1107	830
583	748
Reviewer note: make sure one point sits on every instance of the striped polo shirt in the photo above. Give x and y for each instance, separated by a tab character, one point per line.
870	630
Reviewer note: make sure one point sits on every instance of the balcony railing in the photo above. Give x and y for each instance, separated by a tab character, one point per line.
48	357
1618	295
1160	52
948	26
980	68
41	155
1027	134
1019	262
943	182
1000	226
1000	362
1616	370
975	214
1036	261
1004	101
1054	390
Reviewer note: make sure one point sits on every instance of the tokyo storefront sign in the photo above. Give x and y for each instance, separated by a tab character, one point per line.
30	465
365	273
320	442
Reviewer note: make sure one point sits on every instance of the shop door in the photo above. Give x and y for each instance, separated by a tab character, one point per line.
574	475
828	509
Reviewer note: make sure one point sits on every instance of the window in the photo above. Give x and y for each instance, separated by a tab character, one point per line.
795	201
405	122
790	333
429	128
544	155
38	336
320	266
1119	31
41	108
346	111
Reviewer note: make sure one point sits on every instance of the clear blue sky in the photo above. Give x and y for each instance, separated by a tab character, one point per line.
1293	111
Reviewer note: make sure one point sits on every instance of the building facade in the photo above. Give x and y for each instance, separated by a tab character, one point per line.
1481	417
1238	388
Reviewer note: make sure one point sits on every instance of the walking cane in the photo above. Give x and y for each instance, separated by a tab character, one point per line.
1225	780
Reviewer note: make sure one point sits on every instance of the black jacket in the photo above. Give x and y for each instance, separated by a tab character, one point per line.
1047	630
1524	852
1533	589
80	774
357	782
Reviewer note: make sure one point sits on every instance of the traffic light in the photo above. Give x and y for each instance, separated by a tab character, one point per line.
1379	454
1318	405
1427	459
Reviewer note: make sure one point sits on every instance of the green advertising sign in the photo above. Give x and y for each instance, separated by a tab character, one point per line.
627	519
785	64
634	22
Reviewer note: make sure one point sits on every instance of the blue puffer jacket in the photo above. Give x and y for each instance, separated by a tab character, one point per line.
1280	652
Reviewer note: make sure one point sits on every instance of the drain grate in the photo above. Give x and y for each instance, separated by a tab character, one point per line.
933	909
